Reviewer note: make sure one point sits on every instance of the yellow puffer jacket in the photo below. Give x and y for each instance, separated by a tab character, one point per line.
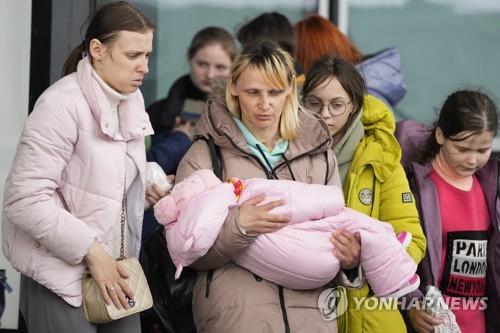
376	185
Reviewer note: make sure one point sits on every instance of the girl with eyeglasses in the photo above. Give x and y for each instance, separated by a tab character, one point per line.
374	182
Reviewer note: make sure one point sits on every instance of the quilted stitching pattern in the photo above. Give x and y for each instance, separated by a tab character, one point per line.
96	311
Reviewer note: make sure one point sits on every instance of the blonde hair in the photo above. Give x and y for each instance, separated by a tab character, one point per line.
276	67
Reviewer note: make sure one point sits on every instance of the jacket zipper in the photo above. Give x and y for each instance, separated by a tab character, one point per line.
283	309
270	173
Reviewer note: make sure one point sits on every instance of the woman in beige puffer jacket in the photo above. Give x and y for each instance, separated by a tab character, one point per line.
262	133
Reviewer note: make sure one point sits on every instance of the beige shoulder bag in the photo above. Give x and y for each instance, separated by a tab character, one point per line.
96	310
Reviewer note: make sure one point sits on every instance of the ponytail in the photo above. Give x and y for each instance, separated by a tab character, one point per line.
469	111
105	25
72	60
429	149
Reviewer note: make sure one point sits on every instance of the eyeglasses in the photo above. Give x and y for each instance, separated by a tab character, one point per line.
335	108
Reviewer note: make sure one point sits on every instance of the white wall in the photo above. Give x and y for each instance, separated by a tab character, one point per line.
15	34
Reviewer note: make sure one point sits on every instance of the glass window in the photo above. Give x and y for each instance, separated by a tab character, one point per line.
444	44
178	20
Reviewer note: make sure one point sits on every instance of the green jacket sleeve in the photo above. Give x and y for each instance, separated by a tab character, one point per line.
397	207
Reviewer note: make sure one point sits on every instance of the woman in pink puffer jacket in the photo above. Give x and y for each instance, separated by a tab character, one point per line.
297	256
80	166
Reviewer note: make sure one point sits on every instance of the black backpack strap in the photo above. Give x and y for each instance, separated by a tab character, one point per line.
218	166
327	168
215	155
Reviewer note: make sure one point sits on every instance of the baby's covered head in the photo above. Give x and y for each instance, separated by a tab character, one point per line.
168	208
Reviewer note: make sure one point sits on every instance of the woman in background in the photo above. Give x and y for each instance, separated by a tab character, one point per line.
209	55
316	37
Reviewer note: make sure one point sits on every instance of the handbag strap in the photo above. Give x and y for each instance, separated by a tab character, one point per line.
123	218
65	204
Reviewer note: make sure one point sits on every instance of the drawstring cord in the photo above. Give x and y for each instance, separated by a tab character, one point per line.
271	169
288	165
269	166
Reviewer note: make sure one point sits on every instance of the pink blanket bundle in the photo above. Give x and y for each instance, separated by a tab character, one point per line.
298	256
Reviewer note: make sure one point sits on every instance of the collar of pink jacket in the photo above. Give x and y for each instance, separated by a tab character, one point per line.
133	121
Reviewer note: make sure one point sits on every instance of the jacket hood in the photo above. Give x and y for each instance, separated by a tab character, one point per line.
217	121
133	119
344	150
411	135
379	147
383	75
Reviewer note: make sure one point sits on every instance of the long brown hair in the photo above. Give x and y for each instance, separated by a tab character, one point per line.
105	25
317	37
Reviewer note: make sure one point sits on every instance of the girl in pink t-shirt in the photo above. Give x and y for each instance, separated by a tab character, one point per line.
456	184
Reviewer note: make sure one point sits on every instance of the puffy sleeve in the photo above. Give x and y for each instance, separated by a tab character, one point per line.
397	207
44	149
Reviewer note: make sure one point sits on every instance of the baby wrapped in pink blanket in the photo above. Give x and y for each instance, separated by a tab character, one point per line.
299	255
